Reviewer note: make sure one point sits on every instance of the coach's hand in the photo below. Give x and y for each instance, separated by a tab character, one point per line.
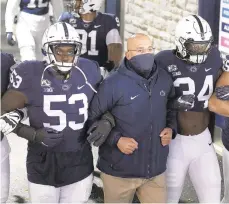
127	145
49	137
166	136
11	40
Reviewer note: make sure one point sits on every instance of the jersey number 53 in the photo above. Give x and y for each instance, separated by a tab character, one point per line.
48	99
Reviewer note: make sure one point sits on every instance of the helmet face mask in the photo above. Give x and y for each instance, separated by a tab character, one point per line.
193	39
61	46
196	47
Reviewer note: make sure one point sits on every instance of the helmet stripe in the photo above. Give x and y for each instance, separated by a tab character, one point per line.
200	25
65	30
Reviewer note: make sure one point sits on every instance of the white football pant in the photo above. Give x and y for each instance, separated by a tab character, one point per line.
226	175
78	192
196	156
29	32
5	170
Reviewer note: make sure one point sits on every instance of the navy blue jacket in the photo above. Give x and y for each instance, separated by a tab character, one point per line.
139	108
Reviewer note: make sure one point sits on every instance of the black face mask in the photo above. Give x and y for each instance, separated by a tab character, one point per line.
142	64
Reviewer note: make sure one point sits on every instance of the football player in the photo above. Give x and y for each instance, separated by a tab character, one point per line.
194	66
7	61
32	20
57	94
99	32
219	103
8	123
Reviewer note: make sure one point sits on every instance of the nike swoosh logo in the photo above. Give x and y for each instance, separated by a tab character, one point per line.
206	70
133	97
80	87
97	26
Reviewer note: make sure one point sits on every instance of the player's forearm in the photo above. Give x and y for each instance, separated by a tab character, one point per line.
12	100
25	132
218	106
115	53
58	8
11	10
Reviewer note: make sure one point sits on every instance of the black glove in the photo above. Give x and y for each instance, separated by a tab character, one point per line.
99	131
48	137
222	93
10	38
182	103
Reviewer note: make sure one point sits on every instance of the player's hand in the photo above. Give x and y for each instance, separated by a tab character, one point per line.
183	103
9	121
127	145
11	40
166	136
49	137
222	93
99	132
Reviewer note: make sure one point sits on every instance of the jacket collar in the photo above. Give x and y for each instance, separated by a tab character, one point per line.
123	69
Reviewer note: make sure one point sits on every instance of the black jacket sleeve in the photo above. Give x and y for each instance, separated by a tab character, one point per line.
171	119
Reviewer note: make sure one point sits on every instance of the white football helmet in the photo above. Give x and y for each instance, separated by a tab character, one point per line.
193	39
88	6
60	33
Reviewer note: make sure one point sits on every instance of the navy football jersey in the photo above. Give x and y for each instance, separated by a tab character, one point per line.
197	79
93	35
58	104
225	134
36	7
7	61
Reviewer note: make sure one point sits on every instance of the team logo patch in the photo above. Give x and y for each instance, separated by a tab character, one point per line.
172	68
48	89
66	87
176	73
162	93
46	82
72	21
193	69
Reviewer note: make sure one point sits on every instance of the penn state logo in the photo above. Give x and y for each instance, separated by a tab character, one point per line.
162	93
66	87
193	68
172	68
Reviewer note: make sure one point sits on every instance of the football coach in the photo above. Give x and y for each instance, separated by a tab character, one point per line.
133	158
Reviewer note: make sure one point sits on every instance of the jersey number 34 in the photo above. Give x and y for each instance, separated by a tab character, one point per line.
202	95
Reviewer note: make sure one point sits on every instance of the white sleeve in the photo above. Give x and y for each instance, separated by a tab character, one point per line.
12	8
58	8
50	9
113	36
